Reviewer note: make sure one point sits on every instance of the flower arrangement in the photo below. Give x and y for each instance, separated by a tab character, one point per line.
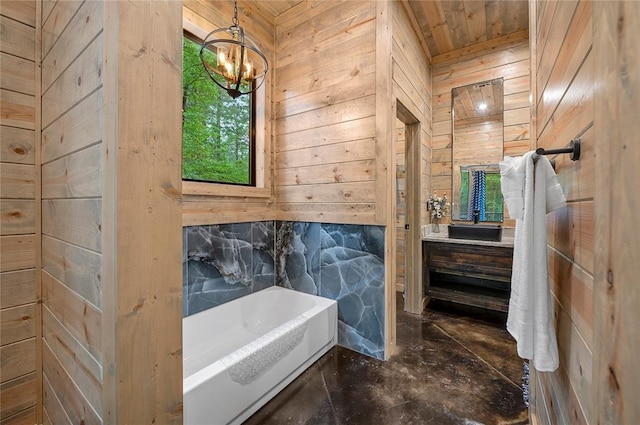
439	206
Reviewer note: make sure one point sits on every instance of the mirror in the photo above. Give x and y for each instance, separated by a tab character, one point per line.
477	128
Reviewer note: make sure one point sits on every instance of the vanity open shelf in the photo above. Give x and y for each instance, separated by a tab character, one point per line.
468	272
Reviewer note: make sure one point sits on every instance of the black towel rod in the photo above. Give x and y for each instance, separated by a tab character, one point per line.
573	149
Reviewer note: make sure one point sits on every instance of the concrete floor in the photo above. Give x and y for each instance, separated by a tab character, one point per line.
453	366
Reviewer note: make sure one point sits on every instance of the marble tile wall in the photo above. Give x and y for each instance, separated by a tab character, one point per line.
336	261
340	262
224	262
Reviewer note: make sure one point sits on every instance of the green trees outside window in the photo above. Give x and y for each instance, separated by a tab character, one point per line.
493	196
217	141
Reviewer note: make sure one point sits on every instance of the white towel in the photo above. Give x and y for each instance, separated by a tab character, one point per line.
530	192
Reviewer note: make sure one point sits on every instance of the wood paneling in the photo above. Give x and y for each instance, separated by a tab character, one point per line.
563	60
54	412
506	57
23	11
17	324
17	359
17	109
385	153
74	176
18	395
76	267
26	417
77	221
62	342
328	135
70	164
86	383
17	181
616	200
551	42
57	17
336	153
356	192
77	34
325	121
352	171
74	403
18	252
142	267
17	74
361	107
17	145
401	206
79	317
573	288
18	38
411	91
80	79
276	7
326	27
77	129
17	288
17	216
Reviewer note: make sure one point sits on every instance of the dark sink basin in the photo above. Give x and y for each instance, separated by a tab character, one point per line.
476	232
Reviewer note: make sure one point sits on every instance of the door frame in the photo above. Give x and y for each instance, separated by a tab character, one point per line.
413	293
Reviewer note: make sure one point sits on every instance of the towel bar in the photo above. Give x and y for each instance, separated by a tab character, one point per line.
573	149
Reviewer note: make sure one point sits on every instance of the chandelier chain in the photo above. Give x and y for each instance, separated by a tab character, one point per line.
235	14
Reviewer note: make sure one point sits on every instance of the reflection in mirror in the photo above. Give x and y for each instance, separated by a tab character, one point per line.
477	117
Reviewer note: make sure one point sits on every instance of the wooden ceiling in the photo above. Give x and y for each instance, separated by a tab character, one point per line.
448	25
276	7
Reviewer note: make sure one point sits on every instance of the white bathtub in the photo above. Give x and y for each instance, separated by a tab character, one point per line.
237	356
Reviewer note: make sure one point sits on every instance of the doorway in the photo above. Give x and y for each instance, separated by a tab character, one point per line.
408	175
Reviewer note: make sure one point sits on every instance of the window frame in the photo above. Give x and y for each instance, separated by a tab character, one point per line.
252	131
262	142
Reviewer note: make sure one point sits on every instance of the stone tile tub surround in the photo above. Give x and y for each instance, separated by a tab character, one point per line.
336	261
343	263
224	262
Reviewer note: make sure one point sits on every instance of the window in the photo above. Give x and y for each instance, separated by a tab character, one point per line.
492	198
218	140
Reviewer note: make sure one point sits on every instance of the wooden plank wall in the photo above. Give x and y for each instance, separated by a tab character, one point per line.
506	57
142	249
72	133
564	109
19	229
410	76
617	295
325	113
401	205
205	203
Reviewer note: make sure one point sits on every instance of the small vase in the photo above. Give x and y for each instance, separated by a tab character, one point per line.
435	226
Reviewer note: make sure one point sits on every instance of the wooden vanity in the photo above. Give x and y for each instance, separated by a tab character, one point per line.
475	273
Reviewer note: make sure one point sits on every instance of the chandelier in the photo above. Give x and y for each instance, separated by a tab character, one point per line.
237	65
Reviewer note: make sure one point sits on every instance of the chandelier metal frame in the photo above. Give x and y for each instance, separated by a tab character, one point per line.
235	80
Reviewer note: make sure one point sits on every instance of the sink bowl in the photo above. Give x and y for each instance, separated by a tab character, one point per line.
477	232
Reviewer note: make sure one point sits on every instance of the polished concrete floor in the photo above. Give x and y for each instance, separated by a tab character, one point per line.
452	366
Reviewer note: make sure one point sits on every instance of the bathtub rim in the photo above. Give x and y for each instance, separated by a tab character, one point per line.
200	375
